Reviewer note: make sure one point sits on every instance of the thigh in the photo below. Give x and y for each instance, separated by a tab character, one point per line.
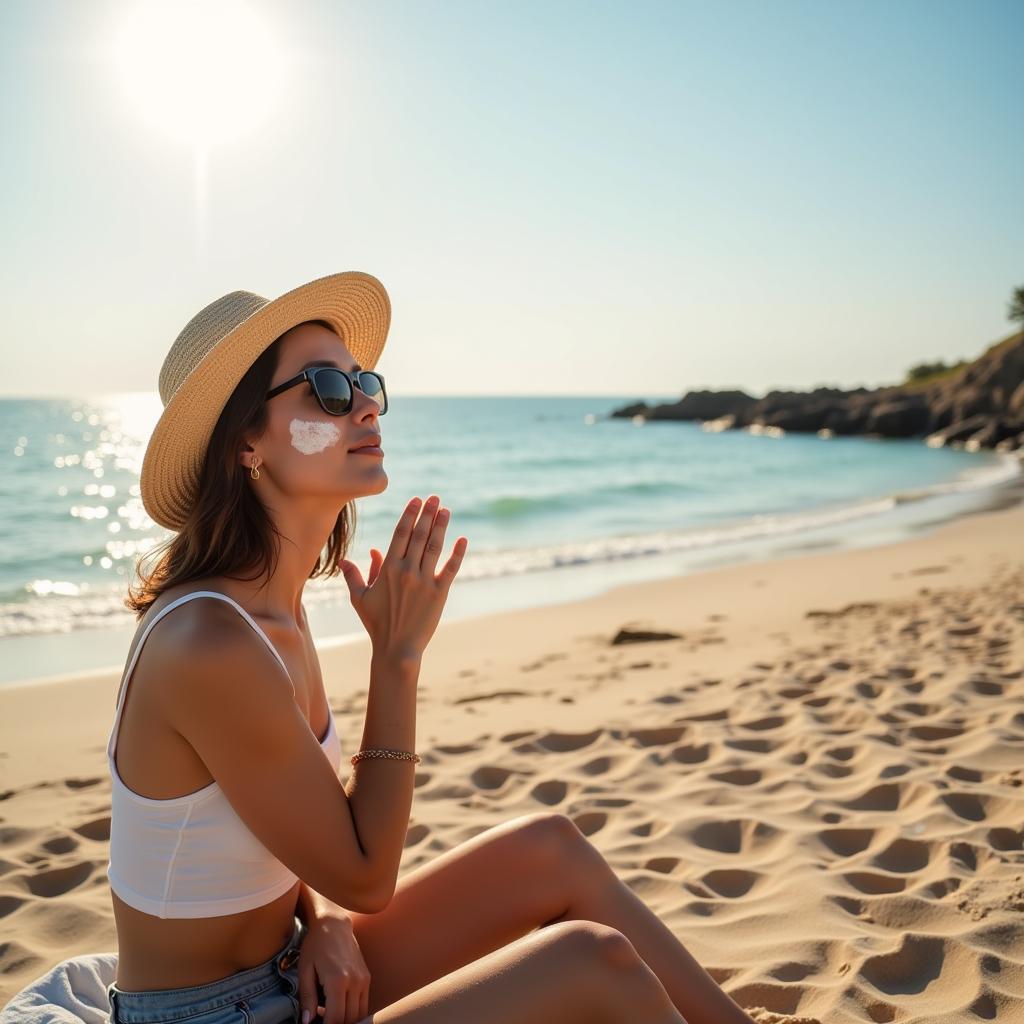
575	972
467	902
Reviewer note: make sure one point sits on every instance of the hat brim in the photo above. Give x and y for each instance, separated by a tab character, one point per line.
354	303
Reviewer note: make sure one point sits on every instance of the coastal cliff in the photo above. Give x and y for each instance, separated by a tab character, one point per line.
979	405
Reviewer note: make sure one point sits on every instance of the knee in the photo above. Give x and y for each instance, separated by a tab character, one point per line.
549	835
595	943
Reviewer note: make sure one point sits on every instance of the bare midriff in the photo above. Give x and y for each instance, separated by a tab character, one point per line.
159	953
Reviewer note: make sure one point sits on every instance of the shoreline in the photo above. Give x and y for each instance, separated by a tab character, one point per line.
333	622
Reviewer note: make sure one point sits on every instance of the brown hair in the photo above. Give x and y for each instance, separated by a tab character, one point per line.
228	529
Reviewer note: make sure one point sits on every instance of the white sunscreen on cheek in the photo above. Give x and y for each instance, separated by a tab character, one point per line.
311	437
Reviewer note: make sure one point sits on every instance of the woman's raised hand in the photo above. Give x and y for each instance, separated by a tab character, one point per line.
401	604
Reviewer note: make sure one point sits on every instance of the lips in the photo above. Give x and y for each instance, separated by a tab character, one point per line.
368	442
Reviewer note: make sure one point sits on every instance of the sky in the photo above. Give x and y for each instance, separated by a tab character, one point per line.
563	198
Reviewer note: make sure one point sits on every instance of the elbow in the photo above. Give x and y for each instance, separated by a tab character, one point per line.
369	898
376	900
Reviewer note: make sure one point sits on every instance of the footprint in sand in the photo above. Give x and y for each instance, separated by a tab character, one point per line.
847	842
658	736
931	733
83	783
1006	839
551	792
942	887
60	844
753	746
458	748
416	834
511	737
885	797
645	829
731	882
560	742
691	753
98	829
491	696
663	865
986	687
9	904
917	964
762	724
738	776
874	884
966	805
734	835
967	629
599	765
590	822
490	777
904	855
58	881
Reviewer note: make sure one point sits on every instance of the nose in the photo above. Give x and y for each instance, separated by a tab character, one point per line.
361	397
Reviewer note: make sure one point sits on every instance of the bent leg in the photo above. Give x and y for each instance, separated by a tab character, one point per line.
467	902
570	973
529	872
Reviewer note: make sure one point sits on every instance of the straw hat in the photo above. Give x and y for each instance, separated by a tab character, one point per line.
214	351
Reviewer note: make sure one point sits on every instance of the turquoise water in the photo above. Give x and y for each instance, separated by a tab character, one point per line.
542	487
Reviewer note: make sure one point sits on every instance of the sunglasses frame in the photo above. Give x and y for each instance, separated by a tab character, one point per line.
310	373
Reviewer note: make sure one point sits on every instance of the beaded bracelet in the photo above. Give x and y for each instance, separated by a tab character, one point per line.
400	755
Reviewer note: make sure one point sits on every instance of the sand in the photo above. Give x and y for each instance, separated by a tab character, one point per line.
811	769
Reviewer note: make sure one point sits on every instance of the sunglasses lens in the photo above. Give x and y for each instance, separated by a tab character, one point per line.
334	391
372	384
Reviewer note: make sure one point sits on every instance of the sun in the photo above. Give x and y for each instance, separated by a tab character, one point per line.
204	72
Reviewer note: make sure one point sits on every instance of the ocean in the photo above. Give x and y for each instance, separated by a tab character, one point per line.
557	502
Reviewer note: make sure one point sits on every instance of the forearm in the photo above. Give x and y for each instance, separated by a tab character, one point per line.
380	789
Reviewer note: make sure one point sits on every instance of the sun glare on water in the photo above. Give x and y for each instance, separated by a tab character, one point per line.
205	73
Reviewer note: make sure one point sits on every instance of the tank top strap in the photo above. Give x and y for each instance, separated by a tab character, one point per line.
126	679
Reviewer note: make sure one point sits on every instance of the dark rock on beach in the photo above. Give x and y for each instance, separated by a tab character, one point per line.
981	405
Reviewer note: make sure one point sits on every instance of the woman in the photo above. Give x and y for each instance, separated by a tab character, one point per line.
248	882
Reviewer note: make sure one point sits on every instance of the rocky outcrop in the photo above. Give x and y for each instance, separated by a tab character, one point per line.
980	406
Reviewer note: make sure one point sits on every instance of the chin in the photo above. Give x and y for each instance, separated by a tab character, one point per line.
379	485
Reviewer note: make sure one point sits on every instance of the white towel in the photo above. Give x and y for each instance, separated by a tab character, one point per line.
73	992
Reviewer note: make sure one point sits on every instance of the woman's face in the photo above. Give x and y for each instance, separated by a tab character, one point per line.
305	451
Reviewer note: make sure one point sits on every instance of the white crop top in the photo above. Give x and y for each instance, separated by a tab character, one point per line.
191	855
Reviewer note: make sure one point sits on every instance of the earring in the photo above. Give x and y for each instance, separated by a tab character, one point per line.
254	472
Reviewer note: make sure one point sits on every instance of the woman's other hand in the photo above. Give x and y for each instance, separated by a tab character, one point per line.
330	955
401	603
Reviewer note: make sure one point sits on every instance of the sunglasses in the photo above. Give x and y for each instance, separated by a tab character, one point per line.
333	388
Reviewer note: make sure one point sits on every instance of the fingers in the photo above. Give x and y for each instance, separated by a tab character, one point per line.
340	1001
421	531
403	531
307	990
454	563
376	558
419	539
435	541
353	577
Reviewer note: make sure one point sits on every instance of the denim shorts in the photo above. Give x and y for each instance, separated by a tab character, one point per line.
265	994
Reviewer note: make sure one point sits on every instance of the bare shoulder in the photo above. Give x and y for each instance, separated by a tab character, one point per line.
203	654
